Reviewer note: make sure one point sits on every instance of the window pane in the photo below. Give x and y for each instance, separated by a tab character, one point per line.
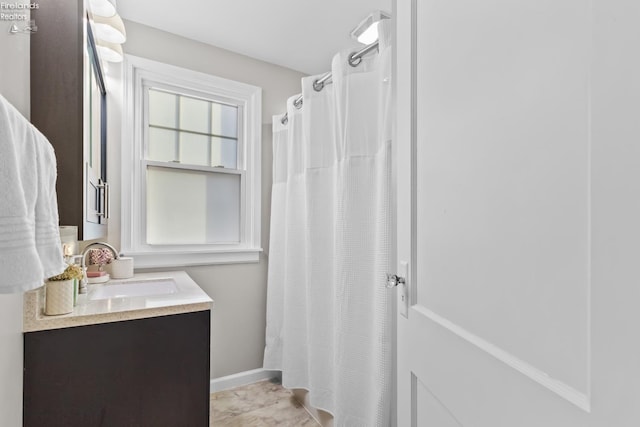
194	114
224	152
176	208
162	109
162	145
194	149
224	120
223	206
189	207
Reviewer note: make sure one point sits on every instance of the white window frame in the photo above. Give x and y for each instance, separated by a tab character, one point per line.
140	73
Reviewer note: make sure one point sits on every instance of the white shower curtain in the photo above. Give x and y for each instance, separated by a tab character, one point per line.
329	324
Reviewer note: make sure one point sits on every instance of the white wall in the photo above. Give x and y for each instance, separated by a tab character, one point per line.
239	290
14	85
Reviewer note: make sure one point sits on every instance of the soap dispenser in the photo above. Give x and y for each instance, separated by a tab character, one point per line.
76	260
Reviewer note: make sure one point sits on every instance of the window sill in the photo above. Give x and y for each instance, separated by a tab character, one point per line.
184	259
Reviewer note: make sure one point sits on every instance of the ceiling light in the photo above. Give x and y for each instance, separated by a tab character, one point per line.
110	52
102	8
109	29
367	31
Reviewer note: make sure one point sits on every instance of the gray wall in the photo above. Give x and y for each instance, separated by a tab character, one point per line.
277	83
15	67
239	290
14	85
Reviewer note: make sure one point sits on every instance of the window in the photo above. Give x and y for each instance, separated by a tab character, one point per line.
193	165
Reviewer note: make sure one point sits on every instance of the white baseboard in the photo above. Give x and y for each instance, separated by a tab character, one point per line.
241	378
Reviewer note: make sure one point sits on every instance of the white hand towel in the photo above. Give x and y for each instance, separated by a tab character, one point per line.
30	248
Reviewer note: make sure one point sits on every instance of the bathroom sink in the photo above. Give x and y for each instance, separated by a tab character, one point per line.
137	288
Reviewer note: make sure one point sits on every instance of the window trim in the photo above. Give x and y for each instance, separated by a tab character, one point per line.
139	74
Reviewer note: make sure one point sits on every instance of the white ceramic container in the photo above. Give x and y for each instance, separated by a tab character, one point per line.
59	296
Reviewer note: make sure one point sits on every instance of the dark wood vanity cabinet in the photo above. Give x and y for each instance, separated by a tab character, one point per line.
68	105
150	372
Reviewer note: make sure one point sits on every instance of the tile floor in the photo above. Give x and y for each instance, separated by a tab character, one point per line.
263	404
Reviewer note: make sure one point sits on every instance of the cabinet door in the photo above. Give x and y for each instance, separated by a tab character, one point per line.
147	373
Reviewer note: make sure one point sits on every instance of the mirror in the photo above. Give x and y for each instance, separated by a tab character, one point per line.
95	141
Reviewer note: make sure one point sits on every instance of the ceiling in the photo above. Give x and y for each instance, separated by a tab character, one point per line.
299	34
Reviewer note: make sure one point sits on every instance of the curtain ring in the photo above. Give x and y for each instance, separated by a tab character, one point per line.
355	59
318	85
285	119
298	103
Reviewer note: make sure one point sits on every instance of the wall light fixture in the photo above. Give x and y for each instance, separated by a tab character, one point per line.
110	52
102	8
367	31
110	29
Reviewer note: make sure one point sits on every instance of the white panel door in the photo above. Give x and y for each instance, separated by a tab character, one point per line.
518	152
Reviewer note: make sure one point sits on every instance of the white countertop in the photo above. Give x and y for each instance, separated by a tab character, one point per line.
187	297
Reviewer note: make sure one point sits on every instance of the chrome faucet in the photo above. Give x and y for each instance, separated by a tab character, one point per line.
83	283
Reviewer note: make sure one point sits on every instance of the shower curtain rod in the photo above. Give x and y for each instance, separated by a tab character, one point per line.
354	60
